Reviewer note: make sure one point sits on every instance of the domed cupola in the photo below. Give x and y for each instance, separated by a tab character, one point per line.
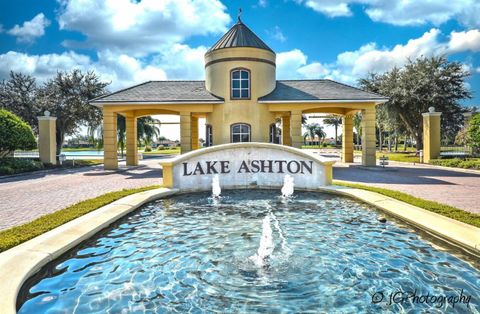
239	36
240	49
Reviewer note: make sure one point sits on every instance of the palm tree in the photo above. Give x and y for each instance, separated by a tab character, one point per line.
314	130
334	121
147	129
121	131
357	124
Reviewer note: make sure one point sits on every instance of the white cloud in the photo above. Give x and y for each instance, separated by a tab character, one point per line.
180	62
289	62
30	30
277	34
465	41
401	12
141	27
262	3
349	66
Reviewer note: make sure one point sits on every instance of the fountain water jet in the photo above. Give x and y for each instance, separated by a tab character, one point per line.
288	186
266	247
216	190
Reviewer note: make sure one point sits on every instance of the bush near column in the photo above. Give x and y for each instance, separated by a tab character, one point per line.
14	134
473	133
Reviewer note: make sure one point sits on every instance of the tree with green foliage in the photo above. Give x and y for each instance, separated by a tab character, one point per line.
14	134
336	122
147	130
420	84
18	94
67	97
314	130
473	133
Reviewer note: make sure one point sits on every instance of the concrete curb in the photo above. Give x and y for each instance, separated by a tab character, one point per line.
21	262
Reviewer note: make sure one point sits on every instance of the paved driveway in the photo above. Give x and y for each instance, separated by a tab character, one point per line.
27	197
455	188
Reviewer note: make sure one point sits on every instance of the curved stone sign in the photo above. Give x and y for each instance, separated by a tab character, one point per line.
246	165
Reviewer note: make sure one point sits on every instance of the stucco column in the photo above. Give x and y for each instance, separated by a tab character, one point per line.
47	141
286	137
347	139
431	134
368	137
194	127
131	138
185	132
110	161
296	128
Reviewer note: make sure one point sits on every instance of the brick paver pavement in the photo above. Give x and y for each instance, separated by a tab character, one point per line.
27	197
455	188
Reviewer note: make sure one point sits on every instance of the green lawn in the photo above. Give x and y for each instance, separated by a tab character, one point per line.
163	151
399	156
442	209
17	235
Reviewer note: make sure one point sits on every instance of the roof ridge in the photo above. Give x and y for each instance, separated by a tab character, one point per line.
120	90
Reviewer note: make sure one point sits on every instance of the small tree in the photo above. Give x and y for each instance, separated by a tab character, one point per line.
14	134
336	122
473	133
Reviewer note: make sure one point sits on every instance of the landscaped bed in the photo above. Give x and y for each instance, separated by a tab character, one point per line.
9	166
469	163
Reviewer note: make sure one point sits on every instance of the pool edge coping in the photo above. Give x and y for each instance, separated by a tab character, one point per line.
24	260
21	262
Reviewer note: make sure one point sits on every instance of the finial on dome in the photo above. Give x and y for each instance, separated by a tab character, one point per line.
239	20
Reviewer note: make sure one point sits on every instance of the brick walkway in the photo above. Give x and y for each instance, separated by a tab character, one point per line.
455	188
24	198
27	197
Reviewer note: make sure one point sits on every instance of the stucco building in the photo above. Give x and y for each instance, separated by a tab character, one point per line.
241	99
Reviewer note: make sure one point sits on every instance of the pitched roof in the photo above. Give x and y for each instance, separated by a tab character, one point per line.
195	92
239	36
318	90
161	91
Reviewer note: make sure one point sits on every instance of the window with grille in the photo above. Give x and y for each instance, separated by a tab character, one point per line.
240	84
240	133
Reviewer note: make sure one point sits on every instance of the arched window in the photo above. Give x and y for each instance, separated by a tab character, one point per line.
208	135
240	132
240	80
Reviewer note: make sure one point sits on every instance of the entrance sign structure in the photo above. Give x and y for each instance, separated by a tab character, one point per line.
243	165
241	101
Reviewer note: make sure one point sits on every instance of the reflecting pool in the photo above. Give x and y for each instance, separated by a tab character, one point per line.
253	251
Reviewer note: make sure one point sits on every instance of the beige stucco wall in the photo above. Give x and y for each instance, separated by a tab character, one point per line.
262	82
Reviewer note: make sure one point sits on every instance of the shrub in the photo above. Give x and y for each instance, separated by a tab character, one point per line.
148	149
161	147
14	134
473	163
18	165
473	132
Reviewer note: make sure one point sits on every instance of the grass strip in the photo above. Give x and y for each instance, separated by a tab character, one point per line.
442	209
17	235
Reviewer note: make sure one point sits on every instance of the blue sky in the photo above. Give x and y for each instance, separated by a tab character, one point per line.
128	42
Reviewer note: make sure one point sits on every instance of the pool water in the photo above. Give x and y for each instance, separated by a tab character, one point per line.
190	253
